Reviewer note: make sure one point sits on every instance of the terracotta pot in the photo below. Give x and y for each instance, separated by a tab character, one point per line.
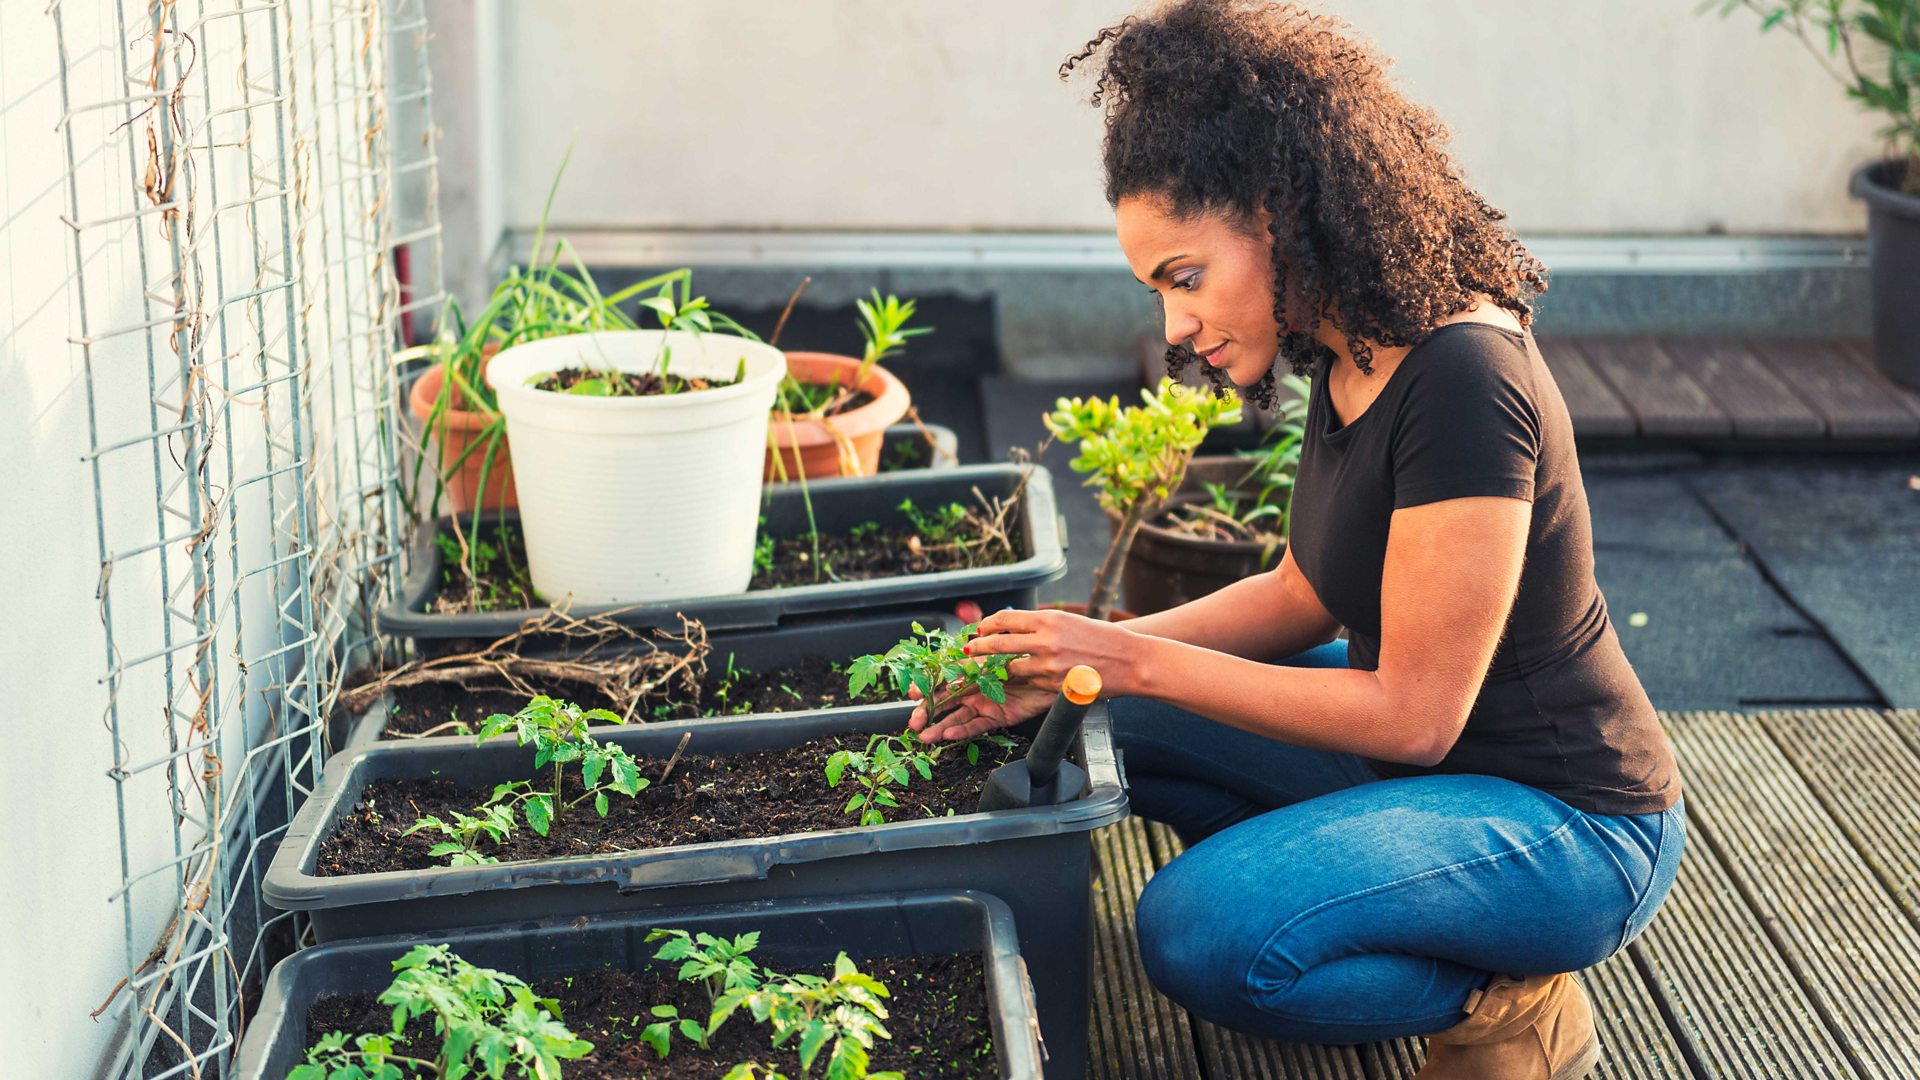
851	445
1165	568
451	436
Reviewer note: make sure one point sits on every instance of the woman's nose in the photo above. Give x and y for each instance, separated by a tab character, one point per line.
1181	327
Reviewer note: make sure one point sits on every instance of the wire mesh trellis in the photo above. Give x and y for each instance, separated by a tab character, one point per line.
239	176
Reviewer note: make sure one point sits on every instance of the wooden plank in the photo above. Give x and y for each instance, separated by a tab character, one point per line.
1597	411
1760	404
1861	355
1868	781
1855	403
1137	1034
1736	1003
1906	724
1849	946
1661	394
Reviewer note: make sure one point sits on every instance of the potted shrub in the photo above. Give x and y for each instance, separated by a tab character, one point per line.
925	976
417	837
1135	459
1227	520
638	453
1872	48
832	412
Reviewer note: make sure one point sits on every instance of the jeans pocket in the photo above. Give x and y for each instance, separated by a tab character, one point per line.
1666	865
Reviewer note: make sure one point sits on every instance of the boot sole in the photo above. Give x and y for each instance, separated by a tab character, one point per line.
1582	1063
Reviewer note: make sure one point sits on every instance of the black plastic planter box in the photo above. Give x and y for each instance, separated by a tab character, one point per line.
944	453
838	505
754	650
792	935
1039	859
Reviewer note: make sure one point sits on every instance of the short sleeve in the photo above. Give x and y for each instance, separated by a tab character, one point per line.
1467	424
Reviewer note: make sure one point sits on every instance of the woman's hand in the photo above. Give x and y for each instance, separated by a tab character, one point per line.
1048	644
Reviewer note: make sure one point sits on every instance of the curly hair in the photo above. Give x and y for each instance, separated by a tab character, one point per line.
1227	107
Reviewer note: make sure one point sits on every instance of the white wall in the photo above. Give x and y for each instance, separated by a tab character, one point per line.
1580	116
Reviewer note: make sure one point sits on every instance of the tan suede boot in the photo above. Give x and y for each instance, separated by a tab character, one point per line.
1535	1028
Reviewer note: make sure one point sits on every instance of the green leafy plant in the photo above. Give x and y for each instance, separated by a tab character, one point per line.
936	663
464	834
557	730
811	1011
1870	47
940	525
887	762
883	325
1135	457
491	1027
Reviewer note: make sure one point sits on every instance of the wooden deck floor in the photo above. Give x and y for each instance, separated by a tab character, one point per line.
1789	946
1720	391
1709	392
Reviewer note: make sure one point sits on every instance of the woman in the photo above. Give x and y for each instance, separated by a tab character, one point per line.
1420	829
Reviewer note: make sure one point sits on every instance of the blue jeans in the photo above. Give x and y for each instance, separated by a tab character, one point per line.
1317	903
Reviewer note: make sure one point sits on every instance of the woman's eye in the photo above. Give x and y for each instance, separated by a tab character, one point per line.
1187	282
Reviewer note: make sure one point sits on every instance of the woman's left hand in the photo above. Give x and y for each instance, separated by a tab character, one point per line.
1054	641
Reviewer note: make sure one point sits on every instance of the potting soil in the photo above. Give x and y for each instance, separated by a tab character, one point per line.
628	383
705	799
937	1015
813	683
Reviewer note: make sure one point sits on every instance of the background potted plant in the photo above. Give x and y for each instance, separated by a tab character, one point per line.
639	453
833	411
1872	48
1227	520
1135	459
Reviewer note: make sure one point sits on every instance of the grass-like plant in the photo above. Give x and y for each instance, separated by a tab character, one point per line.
1135	457
883	326
491	1026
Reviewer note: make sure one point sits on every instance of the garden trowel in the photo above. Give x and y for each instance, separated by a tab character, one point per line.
1045	776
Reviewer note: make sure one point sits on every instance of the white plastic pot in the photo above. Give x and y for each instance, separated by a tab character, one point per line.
628	499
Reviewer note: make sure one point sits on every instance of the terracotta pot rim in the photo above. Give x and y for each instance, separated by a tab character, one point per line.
889	404
426	389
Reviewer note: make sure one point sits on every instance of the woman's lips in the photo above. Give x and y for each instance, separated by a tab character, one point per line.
1213	357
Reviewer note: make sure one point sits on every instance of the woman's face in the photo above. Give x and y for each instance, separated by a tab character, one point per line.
1214	282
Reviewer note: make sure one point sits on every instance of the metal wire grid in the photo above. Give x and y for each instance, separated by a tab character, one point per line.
236	154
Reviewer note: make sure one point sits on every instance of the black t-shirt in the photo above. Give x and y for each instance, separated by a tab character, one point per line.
1473	411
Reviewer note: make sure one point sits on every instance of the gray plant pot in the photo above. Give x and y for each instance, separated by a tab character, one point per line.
1893	246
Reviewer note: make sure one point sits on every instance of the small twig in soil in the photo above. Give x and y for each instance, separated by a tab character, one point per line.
675	759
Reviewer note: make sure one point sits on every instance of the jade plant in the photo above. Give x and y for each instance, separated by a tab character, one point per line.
1253	508
1135	457
811	1012
491	1026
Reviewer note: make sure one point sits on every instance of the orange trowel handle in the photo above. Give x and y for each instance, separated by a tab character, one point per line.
1077	692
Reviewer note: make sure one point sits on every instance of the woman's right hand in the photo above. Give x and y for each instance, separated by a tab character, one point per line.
977	714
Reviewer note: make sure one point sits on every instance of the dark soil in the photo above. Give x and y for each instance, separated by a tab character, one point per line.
628	383
937	1015
814	683
814	395
881	554
875	553
706	799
